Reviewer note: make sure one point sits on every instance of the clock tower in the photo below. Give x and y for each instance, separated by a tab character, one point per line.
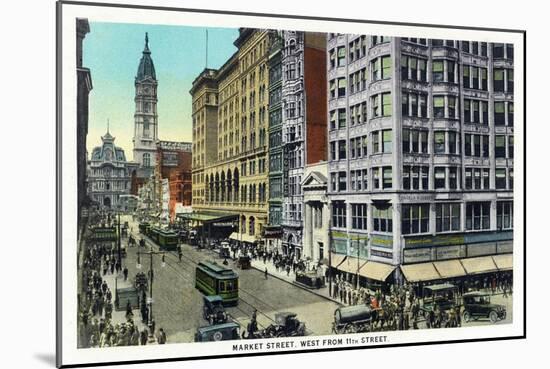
145	117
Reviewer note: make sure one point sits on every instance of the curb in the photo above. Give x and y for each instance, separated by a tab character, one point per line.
299	286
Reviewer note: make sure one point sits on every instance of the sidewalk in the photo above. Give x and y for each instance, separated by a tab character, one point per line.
291	278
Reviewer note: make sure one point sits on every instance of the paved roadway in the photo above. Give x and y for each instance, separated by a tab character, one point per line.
177	306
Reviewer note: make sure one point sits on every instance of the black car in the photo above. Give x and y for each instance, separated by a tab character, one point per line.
213	310
478	305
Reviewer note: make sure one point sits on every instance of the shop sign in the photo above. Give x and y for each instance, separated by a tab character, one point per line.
479	249
382	241
450	252
505	247
442	240
382	254
417	255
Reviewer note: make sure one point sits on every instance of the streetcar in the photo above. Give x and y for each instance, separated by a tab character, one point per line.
167	240
214	279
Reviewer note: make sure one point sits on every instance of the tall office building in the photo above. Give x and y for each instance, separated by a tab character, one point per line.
420	157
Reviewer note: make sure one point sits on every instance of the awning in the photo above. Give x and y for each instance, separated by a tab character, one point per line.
242	237
376	271
336	260
420	272
504	261
205	217
483	264
449	268
350	265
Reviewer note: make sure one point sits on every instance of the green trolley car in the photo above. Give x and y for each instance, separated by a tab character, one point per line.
215	279
167	240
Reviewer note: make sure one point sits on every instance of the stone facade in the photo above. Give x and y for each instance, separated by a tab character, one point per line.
420	148
230	135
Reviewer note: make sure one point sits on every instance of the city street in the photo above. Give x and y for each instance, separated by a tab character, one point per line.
177	306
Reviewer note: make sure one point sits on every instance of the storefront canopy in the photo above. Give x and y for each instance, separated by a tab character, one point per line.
479	265
449	268
376	271
503	262
420	272
208	217
242	237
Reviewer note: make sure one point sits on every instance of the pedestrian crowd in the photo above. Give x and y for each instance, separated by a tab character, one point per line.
96	303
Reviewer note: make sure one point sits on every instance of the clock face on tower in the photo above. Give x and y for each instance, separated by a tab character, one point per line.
146	90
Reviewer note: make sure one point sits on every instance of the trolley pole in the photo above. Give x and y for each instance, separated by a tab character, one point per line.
119	241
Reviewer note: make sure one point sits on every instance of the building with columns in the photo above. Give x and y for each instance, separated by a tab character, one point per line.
420	167
145	117
304	112
108	175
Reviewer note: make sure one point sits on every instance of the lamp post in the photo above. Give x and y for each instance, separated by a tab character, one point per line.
151	274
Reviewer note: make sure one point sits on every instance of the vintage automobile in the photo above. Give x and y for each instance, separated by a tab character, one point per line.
478	305
286	325
310	279
244	262
213	310
443	296
219	332
353	319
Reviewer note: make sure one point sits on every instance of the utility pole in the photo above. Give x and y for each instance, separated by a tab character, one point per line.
151	277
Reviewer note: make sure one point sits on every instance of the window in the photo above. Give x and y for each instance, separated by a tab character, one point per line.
375	142
416	218
359	216
511	178
452	106
476	178
386	104
439	107
510	80
453	182
333	150
342	181
466	76
439	174
437	71
483	79
386	67
439	142
477	215
510	113
342	87
414	177
475	78
450	71
505	215
341	56
500	146
447	217
333	119
146	160
498	51
511	147
499	113
452	142
387	141
500	178
382	219
341	118
387	177
467	111
498	80
338	214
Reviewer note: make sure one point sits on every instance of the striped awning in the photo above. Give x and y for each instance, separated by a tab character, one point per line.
420	272
242	237
449	268
504	261
376	271
479	265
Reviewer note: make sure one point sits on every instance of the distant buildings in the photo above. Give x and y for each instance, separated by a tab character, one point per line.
108	176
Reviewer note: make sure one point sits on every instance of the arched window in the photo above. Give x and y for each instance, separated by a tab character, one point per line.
243	224
146	160
251	226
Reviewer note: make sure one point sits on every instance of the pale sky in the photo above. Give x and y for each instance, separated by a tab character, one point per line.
112	52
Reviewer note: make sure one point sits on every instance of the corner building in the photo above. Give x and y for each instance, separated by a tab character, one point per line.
230	109
420	136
